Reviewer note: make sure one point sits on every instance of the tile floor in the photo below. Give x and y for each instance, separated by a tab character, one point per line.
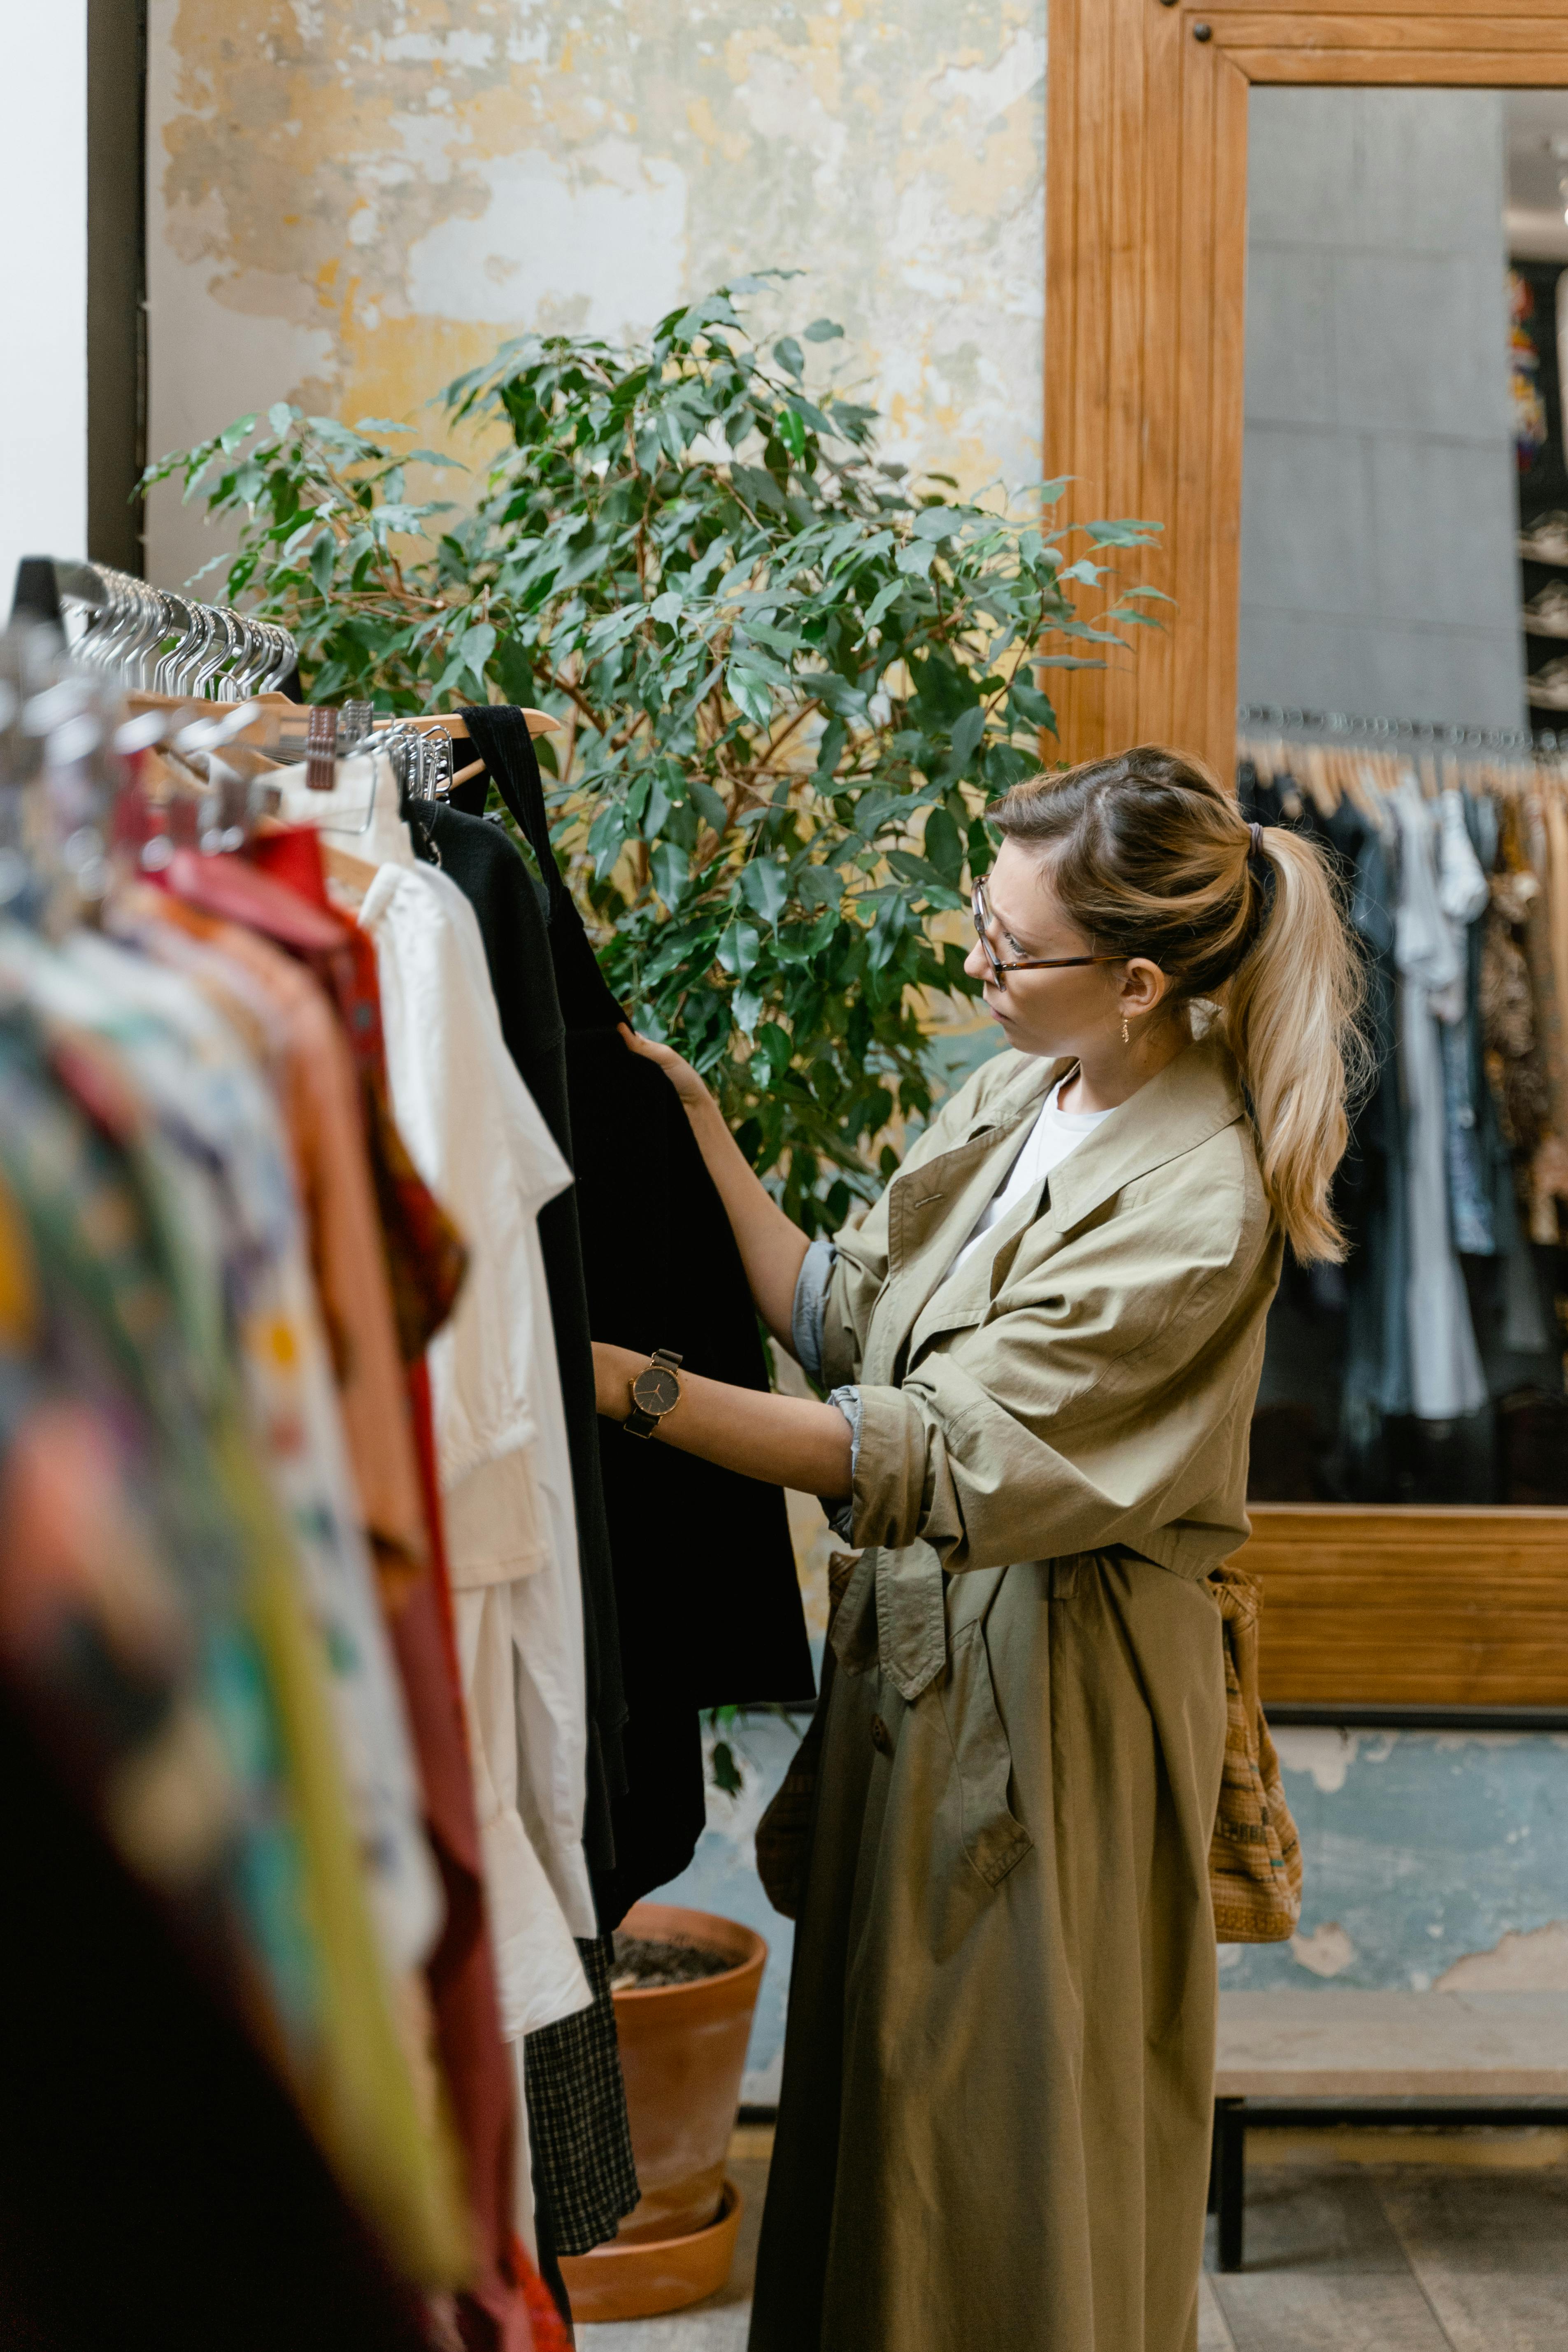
1340	2257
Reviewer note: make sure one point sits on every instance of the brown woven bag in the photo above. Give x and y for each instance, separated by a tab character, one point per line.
1254	1855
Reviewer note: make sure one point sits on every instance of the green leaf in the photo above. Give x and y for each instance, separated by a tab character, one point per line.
751	690
822	330
738	948
764	888
790	357
967	730
478	644
708	801
886	597
514	671
819	885
670	870
944	846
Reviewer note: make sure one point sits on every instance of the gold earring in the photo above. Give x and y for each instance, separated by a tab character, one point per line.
1125	1038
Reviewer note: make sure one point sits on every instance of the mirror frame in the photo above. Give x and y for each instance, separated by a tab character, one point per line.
1145	294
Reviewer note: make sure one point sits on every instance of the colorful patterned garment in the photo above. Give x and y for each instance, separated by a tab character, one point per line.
105	1327
299	1579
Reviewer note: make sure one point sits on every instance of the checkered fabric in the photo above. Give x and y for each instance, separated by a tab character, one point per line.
583	2176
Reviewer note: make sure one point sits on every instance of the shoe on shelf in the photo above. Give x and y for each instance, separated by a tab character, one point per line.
1546	540
1546	615
1548	689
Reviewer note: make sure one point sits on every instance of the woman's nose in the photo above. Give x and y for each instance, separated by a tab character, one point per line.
976	963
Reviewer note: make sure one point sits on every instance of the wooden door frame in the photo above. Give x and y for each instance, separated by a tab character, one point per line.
1145	289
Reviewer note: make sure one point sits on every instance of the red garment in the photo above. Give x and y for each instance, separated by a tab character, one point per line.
461	1970
426	1256
549	2327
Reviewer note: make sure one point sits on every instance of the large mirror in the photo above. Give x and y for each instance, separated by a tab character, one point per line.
1404	683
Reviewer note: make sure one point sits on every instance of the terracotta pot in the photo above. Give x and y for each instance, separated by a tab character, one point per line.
622	2282
683	2052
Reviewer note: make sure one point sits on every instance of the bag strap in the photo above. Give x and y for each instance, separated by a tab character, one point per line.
499	732
499	735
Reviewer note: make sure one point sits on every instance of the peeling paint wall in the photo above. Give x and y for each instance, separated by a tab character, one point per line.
350	203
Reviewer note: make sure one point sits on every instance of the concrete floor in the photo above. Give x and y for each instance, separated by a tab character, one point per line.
1340	2257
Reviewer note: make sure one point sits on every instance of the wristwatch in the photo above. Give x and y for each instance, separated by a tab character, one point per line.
655	1392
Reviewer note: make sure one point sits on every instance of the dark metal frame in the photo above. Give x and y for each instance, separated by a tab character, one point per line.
116	281
1381	1716
1234	2119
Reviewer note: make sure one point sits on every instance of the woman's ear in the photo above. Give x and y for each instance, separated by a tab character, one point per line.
1143	986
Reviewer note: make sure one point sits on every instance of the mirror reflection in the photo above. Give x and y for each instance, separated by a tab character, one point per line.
1404	684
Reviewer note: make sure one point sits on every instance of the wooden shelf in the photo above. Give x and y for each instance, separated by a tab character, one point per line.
1451	1608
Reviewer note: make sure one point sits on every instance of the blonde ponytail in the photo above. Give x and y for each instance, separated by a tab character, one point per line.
1150	856
1290	1016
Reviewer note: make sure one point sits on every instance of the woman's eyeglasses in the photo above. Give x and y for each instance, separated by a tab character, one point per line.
983	918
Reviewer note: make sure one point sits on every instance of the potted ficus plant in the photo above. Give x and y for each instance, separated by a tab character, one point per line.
792	676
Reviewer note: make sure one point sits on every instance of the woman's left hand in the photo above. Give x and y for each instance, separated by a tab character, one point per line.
614	1369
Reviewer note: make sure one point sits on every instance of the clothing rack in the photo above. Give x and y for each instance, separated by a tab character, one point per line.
1343	729
219	1252
1331	772
150	639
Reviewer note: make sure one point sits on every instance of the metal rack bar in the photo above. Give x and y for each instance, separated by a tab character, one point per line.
1343	727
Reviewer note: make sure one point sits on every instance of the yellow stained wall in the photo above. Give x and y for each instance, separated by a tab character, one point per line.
350	201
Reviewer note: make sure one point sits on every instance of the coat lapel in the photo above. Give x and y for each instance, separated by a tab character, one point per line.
935	1205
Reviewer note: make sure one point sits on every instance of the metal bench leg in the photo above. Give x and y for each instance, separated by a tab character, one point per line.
1229	2179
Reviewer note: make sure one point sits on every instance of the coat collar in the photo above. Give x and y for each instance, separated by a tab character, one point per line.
1193	1098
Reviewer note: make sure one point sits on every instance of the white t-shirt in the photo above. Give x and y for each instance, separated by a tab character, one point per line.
1053	1134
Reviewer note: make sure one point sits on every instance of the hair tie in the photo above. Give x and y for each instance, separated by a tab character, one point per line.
1257	833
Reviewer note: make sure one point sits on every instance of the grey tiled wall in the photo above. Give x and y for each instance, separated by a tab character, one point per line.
1378	568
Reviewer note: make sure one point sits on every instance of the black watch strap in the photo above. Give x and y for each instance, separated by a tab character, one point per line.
640	1422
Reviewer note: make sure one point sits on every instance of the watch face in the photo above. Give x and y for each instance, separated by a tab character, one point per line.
656	1389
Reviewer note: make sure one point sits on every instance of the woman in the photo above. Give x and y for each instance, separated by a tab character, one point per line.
1043	1346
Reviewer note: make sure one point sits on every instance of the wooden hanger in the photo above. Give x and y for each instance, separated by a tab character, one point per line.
341	865
540	722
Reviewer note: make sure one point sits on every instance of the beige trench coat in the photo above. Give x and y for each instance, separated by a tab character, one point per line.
998	2075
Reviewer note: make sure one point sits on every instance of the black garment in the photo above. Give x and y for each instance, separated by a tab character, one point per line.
158	2190
579	2140
705	1581
485	866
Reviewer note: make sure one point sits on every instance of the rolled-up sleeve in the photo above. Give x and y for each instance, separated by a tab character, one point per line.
841	1516
1086	1414
810	1305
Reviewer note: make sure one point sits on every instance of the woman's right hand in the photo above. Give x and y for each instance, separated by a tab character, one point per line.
771	1248
693	1093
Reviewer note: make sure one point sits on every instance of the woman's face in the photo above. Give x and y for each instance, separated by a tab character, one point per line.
1074	1010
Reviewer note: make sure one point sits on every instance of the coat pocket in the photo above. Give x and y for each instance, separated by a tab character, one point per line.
994	1839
